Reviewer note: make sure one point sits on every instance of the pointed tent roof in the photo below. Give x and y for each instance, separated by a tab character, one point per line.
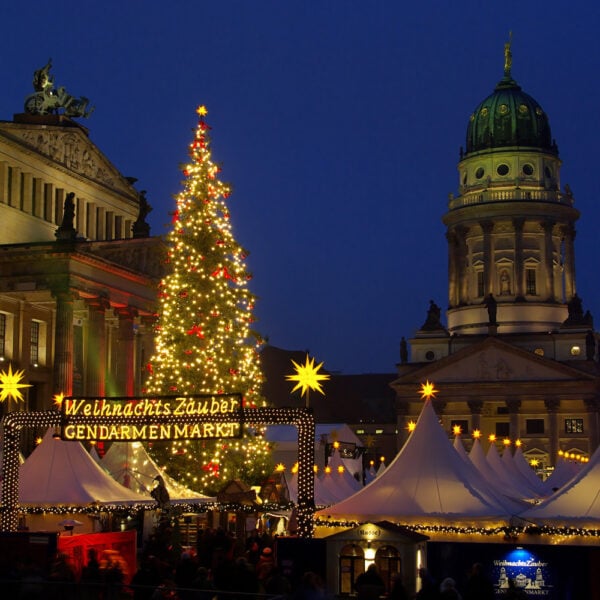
576	504
564	471
336	462
130	465
63	473
527	480
427	478
460	448
511	482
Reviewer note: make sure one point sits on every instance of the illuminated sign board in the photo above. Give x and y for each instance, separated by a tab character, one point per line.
155	418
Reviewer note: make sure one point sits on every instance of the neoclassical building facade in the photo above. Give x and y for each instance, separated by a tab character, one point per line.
78	268
518	355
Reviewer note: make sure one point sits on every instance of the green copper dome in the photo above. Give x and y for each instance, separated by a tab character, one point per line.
509	117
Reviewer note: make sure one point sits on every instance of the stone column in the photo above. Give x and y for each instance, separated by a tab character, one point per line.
488	266
592	406
476	408
519	270
514	405
569	237
452	267
125	367
401	423
552	405
462	259
96	347
547	226
63	345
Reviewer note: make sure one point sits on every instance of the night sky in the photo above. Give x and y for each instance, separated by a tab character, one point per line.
338	125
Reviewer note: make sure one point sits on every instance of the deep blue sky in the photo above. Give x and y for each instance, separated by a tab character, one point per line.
338	124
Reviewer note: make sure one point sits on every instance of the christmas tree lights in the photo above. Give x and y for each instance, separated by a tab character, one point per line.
204	338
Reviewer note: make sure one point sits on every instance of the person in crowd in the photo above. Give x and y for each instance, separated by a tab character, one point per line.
369	585
479	587
448	590
429	590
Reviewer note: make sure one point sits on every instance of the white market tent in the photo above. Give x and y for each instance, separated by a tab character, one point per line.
285	438
427	478
564	471
130	465
59	473
576	504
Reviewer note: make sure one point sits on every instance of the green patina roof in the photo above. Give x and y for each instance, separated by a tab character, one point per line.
509	117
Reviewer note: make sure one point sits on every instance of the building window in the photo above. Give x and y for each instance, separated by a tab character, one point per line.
573	425
2	335
502	430
480	285
34	343
530	282
502	410
534	426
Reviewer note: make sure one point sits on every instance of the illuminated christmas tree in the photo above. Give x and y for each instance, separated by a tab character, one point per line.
205	343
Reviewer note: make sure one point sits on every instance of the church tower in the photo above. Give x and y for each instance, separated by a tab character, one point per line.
510	230
517	355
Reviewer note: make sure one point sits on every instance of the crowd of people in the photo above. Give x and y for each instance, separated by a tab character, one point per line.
218	567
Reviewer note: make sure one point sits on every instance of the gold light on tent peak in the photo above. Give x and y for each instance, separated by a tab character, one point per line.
336	445
506	442
476	434
340	468
428	390
328	469
456	430
518	443
411	426
280	467
492	437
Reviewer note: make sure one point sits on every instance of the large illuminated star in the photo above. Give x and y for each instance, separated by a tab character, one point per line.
307	377
428	391
10	385
202	110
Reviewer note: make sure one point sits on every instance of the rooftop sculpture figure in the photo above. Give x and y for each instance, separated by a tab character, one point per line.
49	100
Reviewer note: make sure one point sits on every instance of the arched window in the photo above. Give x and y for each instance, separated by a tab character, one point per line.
352	564
387	560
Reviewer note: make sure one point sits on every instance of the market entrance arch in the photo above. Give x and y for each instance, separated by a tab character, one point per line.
118	419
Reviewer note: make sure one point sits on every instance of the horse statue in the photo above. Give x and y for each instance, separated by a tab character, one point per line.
49	100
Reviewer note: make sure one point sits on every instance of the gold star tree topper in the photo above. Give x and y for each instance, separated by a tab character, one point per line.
10	385
307	376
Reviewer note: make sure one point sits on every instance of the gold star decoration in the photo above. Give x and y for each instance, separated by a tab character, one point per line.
411	426
202	111
476	434
456	430
428	391
58	400
307	377
10	385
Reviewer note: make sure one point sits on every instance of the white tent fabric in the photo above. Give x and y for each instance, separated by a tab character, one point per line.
564	471
427	478
534	487
63	473
129	464
460	448
576	504
514	485
344	476
522	465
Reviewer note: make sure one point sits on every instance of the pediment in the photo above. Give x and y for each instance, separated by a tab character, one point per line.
70	147
495	361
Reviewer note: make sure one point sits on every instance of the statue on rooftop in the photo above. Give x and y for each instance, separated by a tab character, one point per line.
49	100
